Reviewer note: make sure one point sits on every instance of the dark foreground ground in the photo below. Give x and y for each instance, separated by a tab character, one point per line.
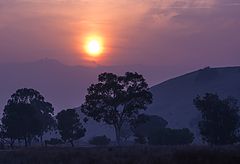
123	155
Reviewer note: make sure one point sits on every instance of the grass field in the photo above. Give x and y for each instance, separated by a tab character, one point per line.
123	155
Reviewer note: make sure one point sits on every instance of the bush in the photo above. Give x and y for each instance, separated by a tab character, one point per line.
169	136
148	124
99	141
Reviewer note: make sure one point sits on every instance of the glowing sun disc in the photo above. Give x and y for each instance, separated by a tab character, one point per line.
94	47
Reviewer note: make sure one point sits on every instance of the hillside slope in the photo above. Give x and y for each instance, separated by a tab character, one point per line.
173	99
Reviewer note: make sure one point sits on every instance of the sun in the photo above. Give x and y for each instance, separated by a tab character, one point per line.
94	47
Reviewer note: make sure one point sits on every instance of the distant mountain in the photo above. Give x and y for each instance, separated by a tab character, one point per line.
173	99
63	85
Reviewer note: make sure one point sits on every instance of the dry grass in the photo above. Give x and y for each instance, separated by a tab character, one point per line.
123	155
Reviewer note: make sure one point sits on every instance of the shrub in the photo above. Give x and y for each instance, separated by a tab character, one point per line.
99	141
148	124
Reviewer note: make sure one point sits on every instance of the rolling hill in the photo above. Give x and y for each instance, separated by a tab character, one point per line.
173	99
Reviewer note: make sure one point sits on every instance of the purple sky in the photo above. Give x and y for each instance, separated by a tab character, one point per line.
181	33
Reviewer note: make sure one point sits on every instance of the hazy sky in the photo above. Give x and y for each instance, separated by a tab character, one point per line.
150	32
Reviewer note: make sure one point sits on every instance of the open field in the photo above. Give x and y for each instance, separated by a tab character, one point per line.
123	155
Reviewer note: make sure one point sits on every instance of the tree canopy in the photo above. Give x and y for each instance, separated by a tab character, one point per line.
117	99
21	121
146	125
69	126
27	107
220	119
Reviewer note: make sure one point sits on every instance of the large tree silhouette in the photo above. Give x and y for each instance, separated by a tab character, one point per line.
25	99
69	126
117	99
220	119
21	121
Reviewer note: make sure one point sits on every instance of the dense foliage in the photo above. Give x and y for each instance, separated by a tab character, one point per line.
220	119
116	100
69	126
27	115
146	125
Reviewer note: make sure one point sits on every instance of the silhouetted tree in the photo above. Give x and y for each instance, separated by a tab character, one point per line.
69	126
140	127
21	121
117	99
220	119
36	101
152	129
46	117
147	125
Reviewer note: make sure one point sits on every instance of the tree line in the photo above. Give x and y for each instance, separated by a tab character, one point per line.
120	102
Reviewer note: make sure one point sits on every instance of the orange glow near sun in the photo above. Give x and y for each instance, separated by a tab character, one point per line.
94	46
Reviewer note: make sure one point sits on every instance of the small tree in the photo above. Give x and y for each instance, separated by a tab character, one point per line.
220	119
69	126
146	125
117	99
